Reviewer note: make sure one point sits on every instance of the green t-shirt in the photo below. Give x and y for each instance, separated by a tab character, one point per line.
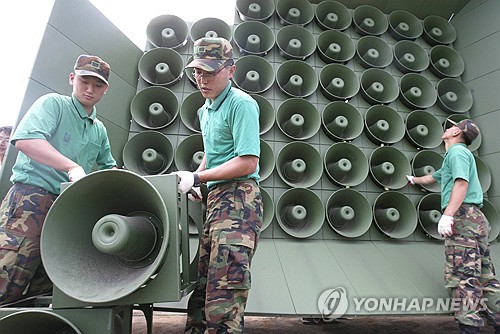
459	163
230	128
62	121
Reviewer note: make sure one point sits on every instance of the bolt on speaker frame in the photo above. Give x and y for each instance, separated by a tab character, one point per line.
389	167
404	25
168	31
426	162
423	129
154	107
299	164
410	57
369	20
332	15
345	164
255	10
161	67
394	214
335	47
342	121
294	12
148	153
300	212
348	213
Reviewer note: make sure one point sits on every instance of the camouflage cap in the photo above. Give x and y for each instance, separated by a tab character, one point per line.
210	53
92	65
469	129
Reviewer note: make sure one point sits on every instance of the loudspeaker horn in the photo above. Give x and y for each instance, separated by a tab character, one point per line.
384	125
378	86
404	25
348	213
298	12
295	42
255	10
426	162
438	30
124	238
36	321
189	153
332	15
373	52
267	116
446	62
298	118
453	96
341	121
369	20
491	214
255	74
416	91
254	38
154	107
300	212
345	164
210	27
161	67
394	214
423	129
483	173
189	111
476	143
268	204
296	78
188	72
429	214
389	167
338	82
299	164
148	153
410	57
167	31
335	46
266	161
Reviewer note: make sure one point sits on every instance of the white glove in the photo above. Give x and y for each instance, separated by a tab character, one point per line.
76	173
195	195
445	226
410	179
186	181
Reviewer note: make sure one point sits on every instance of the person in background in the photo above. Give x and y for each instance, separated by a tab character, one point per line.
5	132
229	122
59	140
469	272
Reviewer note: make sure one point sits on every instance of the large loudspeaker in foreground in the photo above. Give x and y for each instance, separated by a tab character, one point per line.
37	321
112	246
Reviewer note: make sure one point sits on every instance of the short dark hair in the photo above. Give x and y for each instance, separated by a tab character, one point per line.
7	129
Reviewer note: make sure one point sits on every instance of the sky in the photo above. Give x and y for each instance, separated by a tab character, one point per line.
22	24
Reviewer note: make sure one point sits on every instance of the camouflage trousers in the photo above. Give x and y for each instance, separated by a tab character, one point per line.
469	272
23	213
227	243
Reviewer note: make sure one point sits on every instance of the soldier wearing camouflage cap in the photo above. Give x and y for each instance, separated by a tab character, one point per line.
469	272
229	122
59	140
